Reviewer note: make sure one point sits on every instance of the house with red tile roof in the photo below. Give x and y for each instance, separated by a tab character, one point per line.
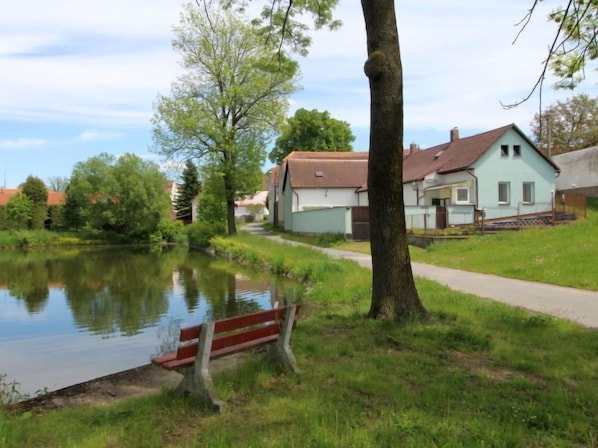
498	173
324	182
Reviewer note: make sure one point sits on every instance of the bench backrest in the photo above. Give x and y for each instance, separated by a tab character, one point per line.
235	333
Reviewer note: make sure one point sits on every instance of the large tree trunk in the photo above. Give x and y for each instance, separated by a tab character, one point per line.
394	295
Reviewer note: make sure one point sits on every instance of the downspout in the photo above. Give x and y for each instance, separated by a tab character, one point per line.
469	171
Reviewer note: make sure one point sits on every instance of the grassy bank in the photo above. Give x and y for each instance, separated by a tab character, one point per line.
34	239
478	373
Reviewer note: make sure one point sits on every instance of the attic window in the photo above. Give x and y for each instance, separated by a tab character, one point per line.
504	150
319	173
517	150
437	154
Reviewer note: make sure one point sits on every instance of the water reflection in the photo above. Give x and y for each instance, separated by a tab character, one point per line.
114	305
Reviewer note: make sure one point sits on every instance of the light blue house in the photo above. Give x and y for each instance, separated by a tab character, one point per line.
499	174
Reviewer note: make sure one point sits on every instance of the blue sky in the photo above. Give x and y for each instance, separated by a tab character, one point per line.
78	78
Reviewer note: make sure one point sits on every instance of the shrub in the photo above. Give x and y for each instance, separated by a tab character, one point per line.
200	233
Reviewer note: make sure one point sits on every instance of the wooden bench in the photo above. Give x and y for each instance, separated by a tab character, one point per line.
199	344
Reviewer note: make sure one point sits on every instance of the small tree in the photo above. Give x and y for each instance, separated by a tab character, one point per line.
35	189
567	125
311	130
18	212
189	190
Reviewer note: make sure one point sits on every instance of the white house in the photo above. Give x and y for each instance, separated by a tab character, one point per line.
579	171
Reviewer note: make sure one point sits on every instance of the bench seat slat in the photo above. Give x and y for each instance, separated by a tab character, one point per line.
234	323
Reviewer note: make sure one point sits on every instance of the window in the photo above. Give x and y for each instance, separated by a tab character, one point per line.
528	192
516	150
504	150
462	194
503	192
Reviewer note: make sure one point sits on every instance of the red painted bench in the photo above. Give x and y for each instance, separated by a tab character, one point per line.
199	344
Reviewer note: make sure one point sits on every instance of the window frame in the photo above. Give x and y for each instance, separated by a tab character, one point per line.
507	186
457	200
504	150
532	190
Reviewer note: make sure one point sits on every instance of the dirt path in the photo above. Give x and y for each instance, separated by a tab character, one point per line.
137	382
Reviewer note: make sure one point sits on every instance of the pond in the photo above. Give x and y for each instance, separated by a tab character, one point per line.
68	316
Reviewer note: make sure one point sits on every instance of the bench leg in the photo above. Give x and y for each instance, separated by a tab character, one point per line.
197	380
280	352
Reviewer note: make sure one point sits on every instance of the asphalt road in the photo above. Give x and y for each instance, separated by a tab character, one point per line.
577	305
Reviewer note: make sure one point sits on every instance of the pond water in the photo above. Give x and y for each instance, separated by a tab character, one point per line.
73	315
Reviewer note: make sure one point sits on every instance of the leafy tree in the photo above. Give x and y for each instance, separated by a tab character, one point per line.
233	96
394	295
574	46
35	189
189	190
311	130
125	195
567	125
18	212
58	183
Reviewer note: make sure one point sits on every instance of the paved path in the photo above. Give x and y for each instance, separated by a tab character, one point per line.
577	305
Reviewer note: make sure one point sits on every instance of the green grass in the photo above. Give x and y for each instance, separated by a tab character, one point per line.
562	255
477	373
12	239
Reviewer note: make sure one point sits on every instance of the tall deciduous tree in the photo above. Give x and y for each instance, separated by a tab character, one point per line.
567	125
311	130
394	295
189	190
234	95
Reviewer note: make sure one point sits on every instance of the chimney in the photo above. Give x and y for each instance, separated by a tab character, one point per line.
413	147
454	134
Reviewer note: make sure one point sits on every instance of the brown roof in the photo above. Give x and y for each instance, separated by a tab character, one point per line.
456	155
323	173
331	155
54	197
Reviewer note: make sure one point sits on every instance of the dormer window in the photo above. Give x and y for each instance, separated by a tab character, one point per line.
504	150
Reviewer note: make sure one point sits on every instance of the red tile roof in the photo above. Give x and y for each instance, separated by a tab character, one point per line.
54	197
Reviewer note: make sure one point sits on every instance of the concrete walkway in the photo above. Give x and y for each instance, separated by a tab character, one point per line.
578	305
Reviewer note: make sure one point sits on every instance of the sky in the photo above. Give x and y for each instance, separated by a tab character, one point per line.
78	78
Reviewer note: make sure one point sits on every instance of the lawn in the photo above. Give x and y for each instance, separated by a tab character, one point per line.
476	373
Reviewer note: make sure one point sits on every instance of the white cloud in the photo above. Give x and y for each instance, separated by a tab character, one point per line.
21	143
91	135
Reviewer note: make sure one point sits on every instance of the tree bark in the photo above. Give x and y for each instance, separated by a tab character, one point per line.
394	295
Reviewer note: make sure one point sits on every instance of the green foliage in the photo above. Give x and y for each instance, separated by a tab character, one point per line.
576	46
190	188
18	212
35	189
573	125
125	195
172	232
312	131
200	233
224	113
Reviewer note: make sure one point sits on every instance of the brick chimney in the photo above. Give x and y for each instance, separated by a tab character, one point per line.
454	134
413	147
